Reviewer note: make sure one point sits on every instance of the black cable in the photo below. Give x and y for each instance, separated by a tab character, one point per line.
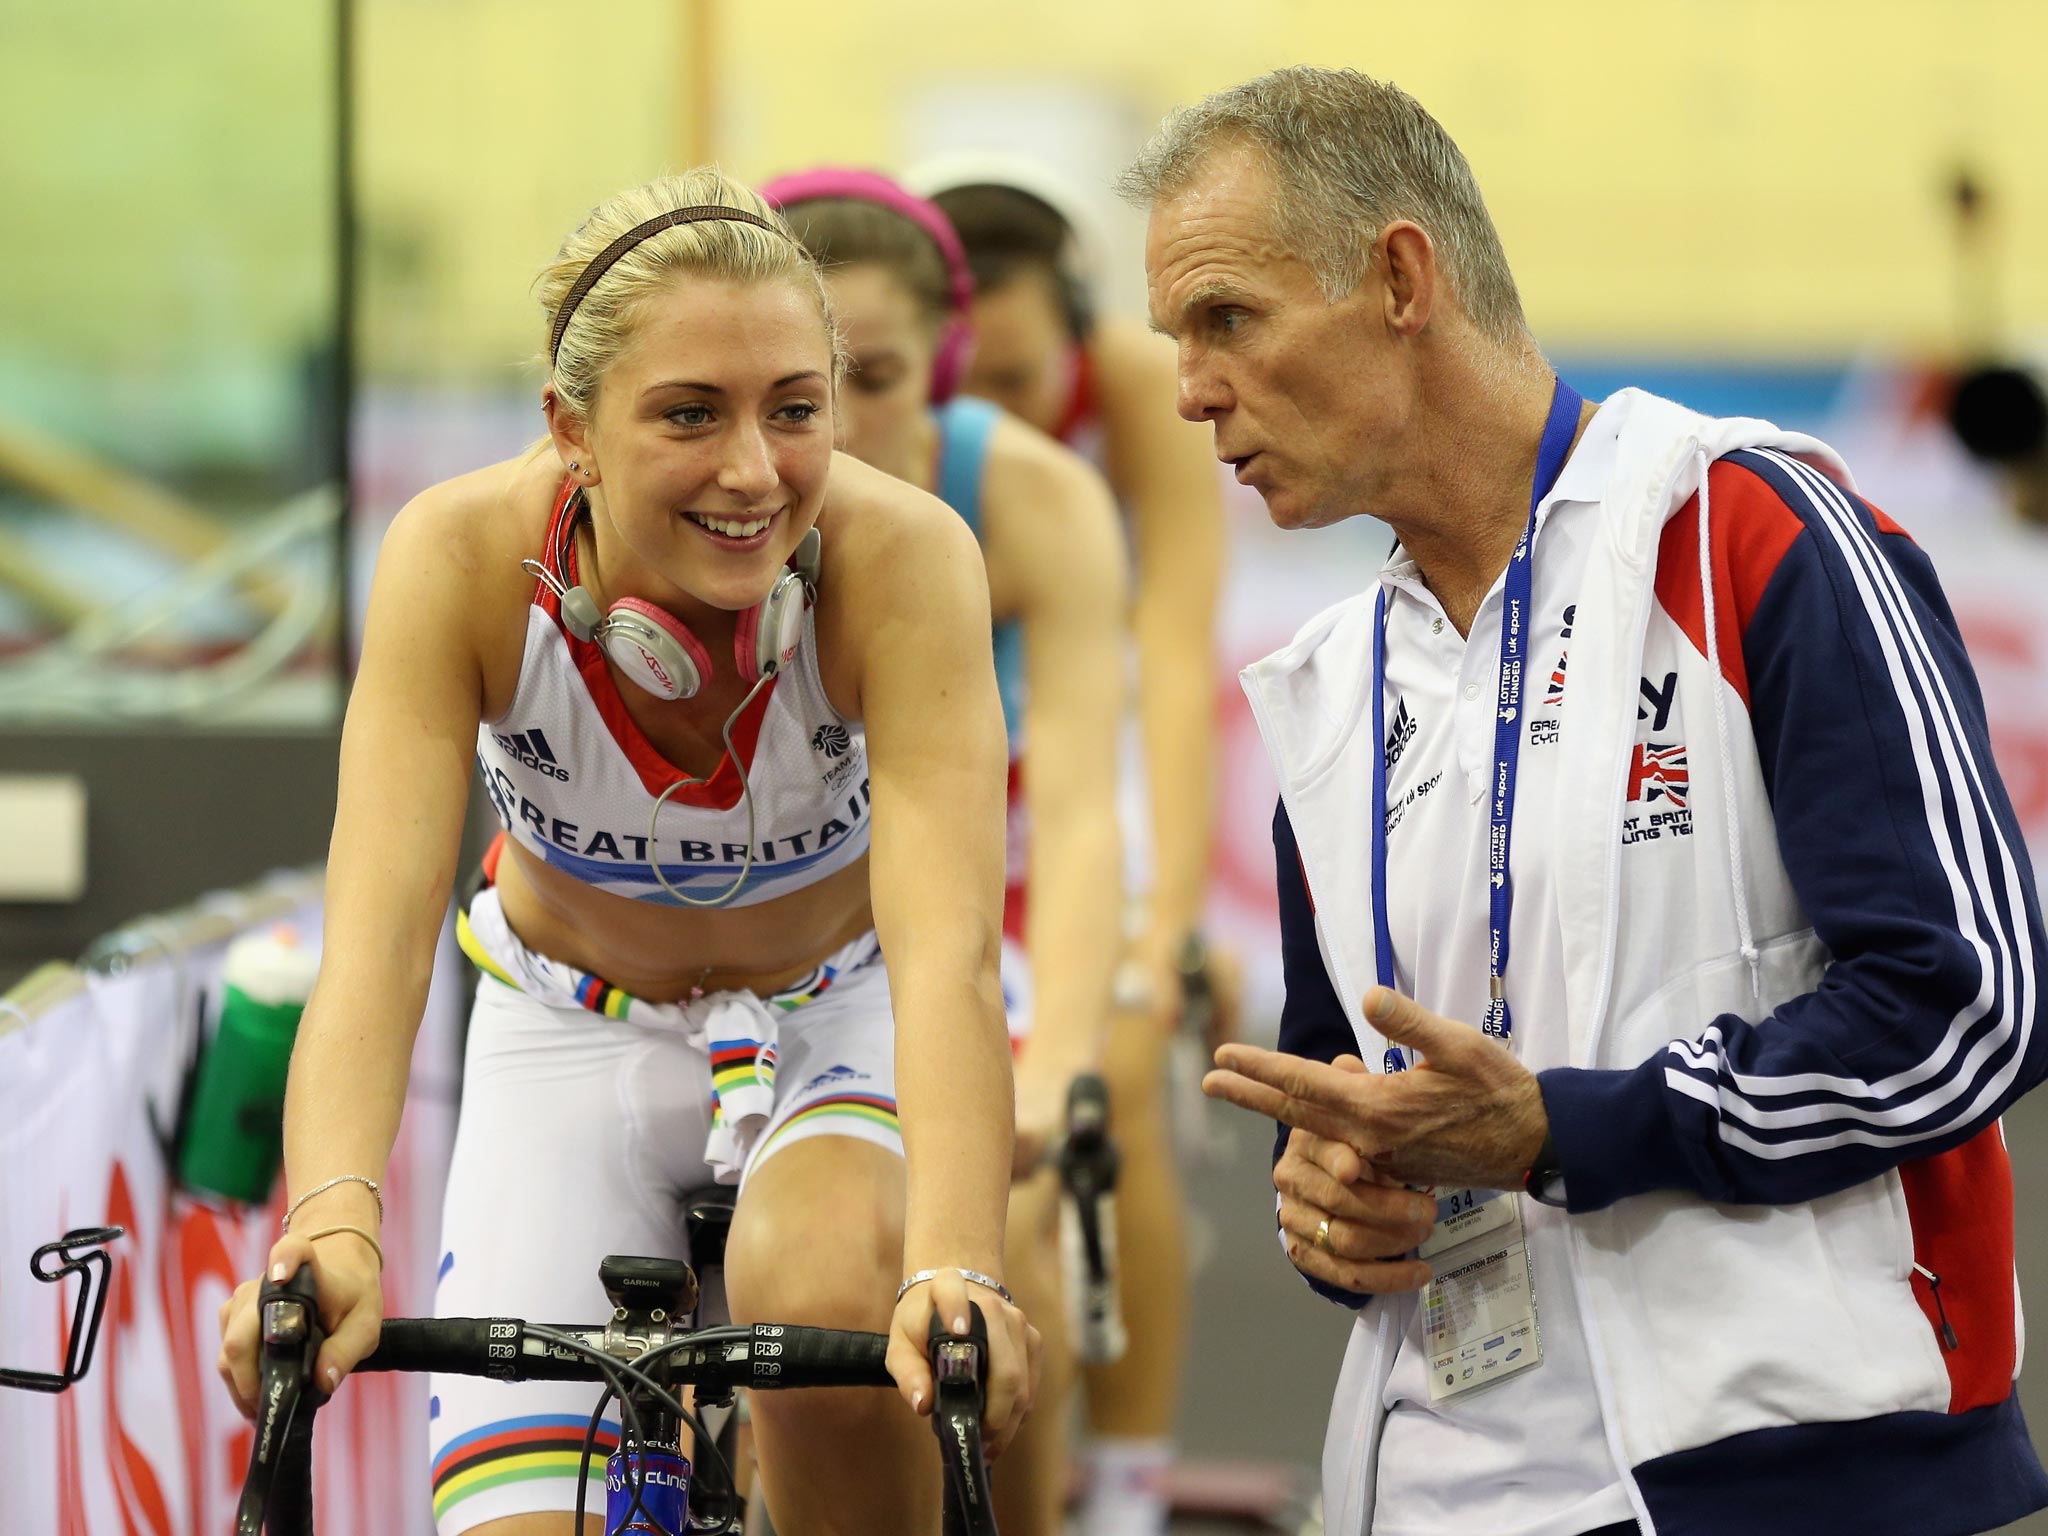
697	1426
589	1447
662	1396
630	1414
629	1435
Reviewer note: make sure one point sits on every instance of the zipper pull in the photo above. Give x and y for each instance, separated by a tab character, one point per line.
1948	1334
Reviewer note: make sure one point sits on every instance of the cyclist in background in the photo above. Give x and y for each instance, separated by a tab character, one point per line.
1106	387
900	287
736	765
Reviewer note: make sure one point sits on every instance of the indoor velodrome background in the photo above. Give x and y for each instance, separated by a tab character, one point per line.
266	274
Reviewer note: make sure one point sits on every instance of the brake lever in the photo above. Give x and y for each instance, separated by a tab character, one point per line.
288	1314
1089	1164
960	1393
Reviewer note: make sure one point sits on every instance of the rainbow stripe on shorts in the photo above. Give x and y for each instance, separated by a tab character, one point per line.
517	1450
831	1113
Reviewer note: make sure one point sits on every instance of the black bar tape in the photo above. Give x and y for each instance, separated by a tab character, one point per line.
789	1356
461	1346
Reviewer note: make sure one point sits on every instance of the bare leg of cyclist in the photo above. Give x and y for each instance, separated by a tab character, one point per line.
1131	1403
1031	1478
818	1240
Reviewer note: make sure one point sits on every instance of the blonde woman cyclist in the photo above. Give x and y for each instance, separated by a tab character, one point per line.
1047	525
737	765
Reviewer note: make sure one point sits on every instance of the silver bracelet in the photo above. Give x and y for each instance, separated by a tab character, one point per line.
376	1193
971	1276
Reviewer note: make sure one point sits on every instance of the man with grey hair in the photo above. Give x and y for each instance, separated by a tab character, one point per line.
1703	1223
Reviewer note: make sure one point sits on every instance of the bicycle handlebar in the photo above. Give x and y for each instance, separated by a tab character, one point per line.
277	1493
763	1356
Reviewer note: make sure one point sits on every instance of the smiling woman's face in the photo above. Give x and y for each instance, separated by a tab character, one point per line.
712	435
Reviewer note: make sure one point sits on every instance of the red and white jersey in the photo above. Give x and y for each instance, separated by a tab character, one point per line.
575	780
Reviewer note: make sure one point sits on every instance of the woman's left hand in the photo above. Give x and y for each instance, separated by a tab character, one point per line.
1010	1374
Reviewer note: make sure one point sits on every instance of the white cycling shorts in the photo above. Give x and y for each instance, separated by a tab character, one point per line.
584	1130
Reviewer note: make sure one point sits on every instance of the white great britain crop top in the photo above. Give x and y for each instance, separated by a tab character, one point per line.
574	779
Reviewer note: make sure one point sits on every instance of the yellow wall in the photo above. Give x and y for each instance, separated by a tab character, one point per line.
1714	176
486	130
166	179
1718	177
1731	177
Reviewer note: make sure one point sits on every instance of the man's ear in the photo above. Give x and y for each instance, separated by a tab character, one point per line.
570	434
1406	259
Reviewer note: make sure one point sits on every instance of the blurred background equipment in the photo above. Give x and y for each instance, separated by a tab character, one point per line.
95	1060
175	327
268	277
81	1252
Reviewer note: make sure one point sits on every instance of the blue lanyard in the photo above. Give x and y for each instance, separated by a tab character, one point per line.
1516	590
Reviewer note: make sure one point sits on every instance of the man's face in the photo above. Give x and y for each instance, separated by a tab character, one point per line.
1304	395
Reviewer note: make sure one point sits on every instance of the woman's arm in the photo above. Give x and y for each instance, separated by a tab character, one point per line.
1163	471
406	751
1055	562
405	755
937	769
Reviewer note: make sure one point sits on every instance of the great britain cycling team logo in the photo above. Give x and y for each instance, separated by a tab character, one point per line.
1657	771
832	739
1553	695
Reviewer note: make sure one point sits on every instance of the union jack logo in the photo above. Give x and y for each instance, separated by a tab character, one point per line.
1658	771
1554	694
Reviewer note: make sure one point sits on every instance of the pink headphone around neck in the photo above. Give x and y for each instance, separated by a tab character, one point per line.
949	368
654	647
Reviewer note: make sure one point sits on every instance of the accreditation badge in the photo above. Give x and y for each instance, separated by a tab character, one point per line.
1479	1313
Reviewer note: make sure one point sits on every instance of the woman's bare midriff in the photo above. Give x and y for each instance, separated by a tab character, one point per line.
661	953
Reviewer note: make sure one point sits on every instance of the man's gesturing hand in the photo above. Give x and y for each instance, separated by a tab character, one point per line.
1371	1224
1469	1114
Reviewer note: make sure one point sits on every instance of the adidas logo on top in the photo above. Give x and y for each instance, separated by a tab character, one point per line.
531	749
1399	734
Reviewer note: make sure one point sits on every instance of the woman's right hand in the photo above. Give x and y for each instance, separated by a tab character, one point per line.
350	1292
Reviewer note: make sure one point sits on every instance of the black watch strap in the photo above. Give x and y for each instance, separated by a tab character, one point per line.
1544	1182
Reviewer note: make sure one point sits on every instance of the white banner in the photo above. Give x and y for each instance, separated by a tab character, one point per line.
149	1444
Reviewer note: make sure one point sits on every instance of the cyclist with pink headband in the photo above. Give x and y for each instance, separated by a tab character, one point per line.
732	697
900	286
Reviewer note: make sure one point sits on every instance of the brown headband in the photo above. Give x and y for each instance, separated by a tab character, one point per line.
587	280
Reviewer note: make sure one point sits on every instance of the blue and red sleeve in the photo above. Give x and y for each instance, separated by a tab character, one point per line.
1312	1019
1902	848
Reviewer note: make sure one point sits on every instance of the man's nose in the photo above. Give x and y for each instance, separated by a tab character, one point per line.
1201	393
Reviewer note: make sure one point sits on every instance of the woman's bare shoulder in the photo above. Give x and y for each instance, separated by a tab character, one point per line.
448	574
874	526
481	524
